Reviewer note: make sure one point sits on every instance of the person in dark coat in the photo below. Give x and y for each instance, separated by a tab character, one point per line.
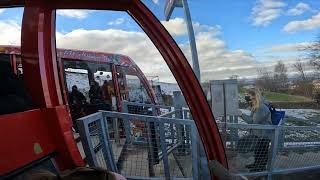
95	93
77	105
76	97
13	94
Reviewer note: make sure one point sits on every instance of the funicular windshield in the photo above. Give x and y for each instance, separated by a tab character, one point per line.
147	132
150	144
86	83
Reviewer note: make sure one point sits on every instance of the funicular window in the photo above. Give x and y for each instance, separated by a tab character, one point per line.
104	77
141	141
76	74
137	92
89	85
13	93
122	82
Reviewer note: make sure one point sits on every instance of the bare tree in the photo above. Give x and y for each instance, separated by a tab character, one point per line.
313	51
315	54
280	76
265	80
303	84
300	67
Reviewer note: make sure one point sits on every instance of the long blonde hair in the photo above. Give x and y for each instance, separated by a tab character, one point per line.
257	94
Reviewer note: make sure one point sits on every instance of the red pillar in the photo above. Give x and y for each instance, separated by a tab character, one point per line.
41	77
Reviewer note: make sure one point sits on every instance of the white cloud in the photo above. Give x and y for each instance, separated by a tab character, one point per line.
178	27
299	9
78	14
291	47
216	61
155	1
118	21
136	45
266	11
212	51
10	33
308	24
1	11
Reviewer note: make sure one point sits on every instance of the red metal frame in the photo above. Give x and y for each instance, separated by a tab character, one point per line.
186	79
38	50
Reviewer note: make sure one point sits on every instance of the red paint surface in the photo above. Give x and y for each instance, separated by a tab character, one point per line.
59	121
41	77
19	132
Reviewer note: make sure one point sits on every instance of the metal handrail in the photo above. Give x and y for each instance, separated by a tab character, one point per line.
277	139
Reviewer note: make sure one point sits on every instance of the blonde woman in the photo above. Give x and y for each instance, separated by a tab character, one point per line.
260	114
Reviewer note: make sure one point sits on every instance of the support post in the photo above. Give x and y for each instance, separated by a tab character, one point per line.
194	153
193	46
151	160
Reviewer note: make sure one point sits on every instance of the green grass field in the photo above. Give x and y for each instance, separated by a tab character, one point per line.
277	97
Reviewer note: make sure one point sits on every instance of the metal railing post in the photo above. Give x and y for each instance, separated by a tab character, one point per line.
203	160
164	151
107	147
236	120
126	122
178	105
151	161
86	142
116	130
172	133
194	153
274	149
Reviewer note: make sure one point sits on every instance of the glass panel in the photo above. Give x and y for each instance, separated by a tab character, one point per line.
255	56
143	143
137	92
90	86
13	94
122	83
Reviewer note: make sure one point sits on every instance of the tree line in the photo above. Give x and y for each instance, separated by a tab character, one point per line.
302	83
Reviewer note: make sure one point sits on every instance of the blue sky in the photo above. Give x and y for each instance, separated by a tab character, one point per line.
233	37
234	17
